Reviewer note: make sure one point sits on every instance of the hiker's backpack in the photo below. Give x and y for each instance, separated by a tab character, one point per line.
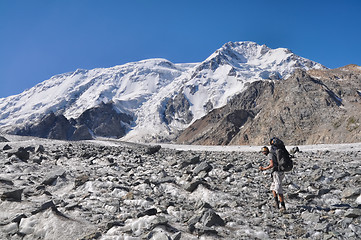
284	161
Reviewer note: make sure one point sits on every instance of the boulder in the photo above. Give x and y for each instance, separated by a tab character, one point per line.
3	139
7	147
12	195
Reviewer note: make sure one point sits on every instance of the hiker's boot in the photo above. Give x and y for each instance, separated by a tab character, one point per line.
283	207
276	204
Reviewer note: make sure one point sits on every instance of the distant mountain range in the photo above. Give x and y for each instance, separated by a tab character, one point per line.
156	100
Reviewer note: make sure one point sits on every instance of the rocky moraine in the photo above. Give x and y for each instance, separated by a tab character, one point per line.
113	190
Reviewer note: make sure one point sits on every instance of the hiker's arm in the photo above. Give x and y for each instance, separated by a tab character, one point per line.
268	167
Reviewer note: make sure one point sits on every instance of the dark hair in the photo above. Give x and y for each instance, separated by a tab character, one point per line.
264	149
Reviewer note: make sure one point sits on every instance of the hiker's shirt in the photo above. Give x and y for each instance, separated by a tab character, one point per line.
277	177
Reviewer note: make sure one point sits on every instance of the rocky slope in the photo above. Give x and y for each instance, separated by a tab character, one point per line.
112	190
318	106
102	120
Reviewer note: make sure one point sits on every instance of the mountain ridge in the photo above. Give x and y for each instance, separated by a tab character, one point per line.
147	89
318	106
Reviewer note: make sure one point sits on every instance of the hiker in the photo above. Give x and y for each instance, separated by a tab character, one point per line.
277	176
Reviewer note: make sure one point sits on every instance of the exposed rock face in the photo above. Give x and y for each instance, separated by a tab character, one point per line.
82	133
320	106
51	126
102	120
116	190
178	109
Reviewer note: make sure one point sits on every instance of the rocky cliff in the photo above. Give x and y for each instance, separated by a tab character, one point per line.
318	106
102	120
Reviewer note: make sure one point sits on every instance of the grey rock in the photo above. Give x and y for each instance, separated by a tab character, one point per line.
43	207
356	229
81	133
49	181
80	180
12	195
176	236
192	222
204	166
3	139
317	174
159	220
40	149
153	149
202	229
18	218
202	205
248	166
52	176
191	186
211	218
22	154
37	160
322	227
7	147
158	235
310	217
353	213
11	229
323	191
351	192
294	150
166	180
6	181
228	167
92	236
148	212
193	160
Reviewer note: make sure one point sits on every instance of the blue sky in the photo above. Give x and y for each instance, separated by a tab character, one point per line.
42	38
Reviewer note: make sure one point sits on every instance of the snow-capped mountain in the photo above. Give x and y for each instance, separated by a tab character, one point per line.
162	96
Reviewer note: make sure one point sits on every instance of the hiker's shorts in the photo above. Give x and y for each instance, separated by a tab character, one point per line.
277	182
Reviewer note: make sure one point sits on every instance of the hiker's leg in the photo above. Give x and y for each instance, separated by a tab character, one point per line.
277	189
274	189
277	205
282	200
274	193
281	175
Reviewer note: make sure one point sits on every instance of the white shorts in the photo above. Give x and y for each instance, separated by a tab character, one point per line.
277	182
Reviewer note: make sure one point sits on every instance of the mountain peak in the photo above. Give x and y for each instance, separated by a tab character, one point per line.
247	53
351	67
151	88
